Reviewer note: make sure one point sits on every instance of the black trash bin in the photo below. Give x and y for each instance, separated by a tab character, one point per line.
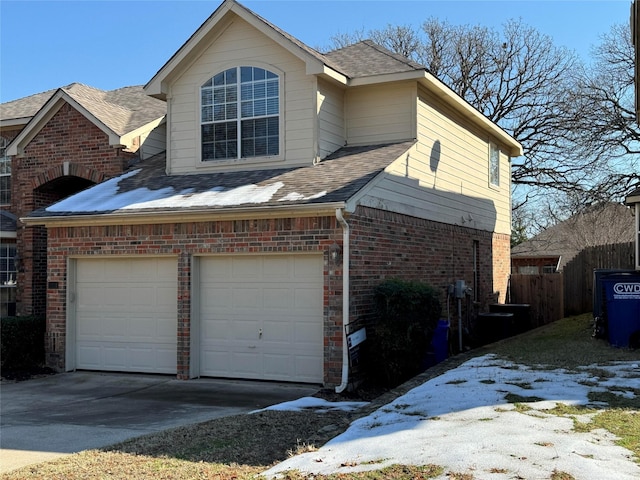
493	326
621	309
521	315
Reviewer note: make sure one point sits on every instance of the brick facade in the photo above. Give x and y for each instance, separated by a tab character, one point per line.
383	245
67	155
388	245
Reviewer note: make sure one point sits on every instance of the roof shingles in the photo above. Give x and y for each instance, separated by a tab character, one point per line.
336	179
122	110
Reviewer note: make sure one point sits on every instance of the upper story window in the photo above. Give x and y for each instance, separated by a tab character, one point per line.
240	114
494	165
5	173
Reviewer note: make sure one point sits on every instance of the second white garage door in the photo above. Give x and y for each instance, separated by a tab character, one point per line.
126	314
262	317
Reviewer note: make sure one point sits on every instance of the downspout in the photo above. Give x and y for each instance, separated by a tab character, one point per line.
345	299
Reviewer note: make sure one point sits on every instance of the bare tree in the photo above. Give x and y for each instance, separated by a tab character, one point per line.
601	117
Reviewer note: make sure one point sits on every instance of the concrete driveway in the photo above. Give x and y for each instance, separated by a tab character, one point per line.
45	418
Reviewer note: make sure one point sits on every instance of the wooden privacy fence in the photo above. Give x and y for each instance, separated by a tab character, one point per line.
578	273
544	293
555	295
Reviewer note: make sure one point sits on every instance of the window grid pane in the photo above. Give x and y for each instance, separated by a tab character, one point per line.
7	263
258	106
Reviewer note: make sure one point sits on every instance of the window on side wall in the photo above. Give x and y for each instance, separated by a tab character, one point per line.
7	264
494	165
240	114
5	174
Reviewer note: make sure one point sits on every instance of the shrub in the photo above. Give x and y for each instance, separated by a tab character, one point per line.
407	314
21	342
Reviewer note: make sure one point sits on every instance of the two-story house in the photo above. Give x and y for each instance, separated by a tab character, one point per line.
54	144
292	184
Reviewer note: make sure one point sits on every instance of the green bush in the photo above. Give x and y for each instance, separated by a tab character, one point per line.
407	314
21	342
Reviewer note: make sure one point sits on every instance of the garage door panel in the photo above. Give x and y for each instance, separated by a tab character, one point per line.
246	267
247	297
274	267
245	362
215	329
270	294
303	269
126	314
306	298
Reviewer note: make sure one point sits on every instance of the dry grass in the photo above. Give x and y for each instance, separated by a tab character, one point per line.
242	446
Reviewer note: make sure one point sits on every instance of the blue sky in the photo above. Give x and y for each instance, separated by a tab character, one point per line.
109	44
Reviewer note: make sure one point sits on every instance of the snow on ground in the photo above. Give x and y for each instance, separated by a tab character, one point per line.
317	404
463	422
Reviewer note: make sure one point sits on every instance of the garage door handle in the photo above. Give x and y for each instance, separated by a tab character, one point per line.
251	346
260	333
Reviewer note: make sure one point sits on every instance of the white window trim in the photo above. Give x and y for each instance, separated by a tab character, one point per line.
249	162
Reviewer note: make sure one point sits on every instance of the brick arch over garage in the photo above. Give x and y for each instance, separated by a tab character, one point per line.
67	169
47	188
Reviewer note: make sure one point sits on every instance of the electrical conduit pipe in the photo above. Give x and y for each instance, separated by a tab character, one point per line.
345	300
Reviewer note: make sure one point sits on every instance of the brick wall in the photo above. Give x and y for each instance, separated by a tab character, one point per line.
287	235
68	154
388	245
383	245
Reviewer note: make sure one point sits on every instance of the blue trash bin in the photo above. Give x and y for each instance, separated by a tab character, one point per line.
622	307
439	349
440	342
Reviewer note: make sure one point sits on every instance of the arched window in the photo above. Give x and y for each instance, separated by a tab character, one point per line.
240	114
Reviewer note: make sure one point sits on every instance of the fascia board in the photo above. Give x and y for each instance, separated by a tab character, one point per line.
204	215
632	199
156	87
37	122
453	99
46	113
386	78
333	75
314	65
14	122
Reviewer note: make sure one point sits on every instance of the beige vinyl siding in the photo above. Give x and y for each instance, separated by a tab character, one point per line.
241	44
330	118
381	113
445	177
153	142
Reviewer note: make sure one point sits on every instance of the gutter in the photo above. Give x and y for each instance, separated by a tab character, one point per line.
131	217
345	300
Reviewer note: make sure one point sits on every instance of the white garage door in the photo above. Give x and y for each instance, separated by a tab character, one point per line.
126	314
262	317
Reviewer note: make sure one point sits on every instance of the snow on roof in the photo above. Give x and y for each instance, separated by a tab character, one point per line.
107	197
149	189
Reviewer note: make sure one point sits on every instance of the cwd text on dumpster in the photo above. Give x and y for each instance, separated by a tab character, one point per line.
626	291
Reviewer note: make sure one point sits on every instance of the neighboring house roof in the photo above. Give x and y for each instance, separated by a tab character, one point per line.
147	189
117	112
360	64
8	224
598	225
20	111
